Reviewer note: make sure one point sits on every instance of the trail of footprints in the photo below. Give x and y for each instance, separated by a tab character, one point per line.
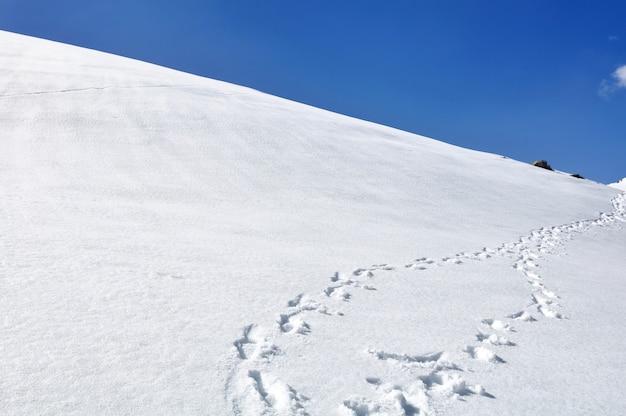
252	390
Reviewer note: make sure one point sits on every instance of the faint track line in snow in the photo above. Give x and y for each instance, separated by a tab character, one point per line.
107	87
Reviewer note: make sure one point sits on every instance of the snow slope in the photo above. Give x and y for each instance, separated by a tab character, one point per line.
172	244
621	184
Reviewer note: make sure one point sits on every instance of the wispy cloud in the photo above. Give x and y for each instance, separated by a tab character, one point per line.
613	84
613	37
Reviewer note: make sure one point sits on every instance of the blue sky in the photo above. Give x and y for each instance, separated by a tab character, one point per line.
534	79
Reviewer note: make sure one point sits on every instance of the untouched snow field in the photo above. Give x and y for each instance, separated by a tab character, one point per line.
619	185
175	245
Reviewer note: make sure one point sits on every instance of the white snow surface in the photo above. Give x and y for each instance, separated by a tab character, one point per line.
176	245
621	185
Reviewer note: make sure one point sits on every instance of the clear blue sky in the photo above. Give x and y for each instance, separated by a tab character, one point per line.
532	79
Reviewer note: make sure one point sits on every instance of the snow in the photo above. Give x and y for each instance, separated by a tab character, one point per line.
621	184
173	244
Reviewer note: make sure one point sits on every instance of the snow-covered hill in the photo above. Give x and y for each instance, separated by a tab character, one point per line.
172	244
621	184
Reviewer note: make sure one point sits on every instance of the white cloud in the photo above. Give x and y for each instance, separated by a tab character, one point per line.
616	82
620	76
613	37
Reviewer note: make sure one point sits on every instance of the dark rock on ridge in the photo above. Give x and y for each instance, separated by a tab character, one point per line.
542	164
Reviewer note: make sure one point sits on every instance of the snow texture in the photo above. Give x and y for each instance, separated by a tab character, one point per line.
172	244
621	185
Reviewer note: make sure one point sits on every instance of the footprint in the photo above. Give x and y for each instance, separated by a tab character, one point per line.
242	343
523	316
362	273
498	325
293	324
295	301
549	313
532	275
549	293
337	292
452	260
426	358
415	267
420	264
494	339
483	354
373	380
483	254
437	361
451	384
530	263
253	346
274	396
541	301
251	392
389	400
383	266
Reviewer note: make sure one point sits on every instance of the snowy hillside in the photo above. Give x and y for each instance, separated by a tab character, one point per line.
175	245
619	184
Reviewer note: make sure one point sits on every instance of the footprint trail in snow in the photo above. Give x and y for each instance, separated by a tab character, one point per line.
252	389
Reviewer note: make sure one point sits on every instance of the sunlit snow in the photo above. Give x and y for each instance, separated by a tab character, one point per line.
176	245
